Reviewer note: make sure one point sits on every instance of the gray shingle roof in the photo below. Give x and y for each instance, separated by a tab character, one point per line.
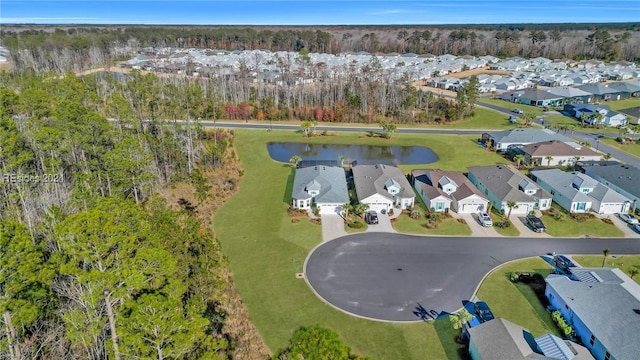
502	339
568	92
526	136
625	177
625	87
556	148
563	182
371	179
503	182
606	308
598	89
331	181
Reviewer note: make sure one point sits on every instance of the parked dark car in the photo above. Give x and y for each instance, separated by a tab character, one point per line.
484	312
371	217
563	261
536	224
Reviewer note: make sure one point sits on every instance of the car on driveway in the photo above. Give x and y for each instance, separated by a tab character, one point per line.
563	262
636	227
536	224
371	217
484	312
517	111
484	219
628	218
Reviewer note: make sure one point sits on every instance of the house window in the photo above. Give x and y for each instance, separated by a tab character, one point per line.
439	205
607	356
592	340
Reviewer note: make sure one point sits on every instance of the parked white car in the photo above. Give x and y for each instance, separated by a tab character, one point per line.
628	218
484	219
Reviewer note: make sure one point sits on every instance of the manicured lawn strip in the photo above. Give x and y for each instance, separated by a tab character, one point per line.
517	302
633	149
450	226
561	120
573	228
266	250
482	119
511	231
623	262
622	104
511	105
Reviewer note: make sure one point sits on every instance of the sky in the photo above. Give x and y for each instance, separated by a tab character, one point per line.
313	12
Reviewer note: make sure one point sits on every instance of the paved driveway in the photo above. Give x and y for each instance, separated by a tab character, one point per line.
520	222
383	225
389	276
332	227
626	228
478	230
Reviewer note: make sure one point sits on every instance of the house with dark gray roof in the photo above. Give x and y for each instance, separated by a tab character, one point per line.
579	193
590	112
602	305
633	115
500	339
571	94
626	88
533	97
321	186
503	140
443	190
502	184
601	91
622	178
382	187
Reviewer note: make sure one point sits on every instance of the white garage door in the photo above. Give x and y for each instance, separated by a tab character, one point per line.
471	208
330	208
611	208
377	207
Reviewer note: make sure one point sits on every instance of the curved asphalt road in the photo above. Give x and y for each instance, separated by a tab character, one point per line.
387	276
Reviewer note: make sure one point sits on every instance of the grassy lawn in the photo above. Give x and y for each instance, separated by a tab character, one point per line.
622	104
511	231
266	250
511	105
354	218
572	228
517	302
481	119
633	149
449	226
623	262
561	120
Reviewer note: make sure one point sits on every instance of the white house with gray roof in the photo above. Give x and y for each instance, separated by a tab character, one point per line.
382	187
322	186
502	140
603	307
502	184
622	178
579	193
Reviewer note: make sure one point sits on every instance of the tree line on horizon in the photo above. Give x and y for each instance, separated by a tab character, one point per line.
73	48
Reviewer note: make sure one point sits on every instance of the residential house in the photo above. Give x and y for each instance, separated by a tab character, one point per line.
443	190
627	89
382	187
588	113
602	305
322	186
502	184
633	115
503	140
601	91
571	94
579	193
555	153
500	339
622	178
532	97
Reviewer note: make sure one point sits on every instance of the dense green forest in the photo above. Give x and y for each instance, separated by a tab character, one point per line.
93	264
76	47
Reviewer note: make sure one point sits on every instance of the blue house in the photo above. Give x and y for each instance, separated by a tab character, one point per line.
603	307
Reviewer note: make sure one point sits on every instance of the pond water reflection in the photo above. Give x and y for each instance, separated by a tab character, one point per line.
362	154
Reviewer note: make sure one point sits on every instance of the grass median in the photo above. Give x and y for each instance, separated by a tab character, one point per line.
266	250
517	302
